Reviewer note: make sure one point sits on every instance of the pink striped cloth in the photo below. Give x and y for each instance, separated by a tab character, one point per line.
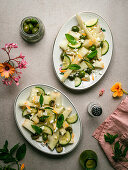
116	123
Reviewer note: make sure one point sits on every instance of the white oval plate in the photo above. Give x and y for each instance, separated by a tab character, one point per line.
61	36
22	96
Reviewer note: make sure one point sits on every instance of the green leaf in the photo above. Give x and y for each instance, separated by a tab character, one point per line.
48	108
37	129
71	39
110	138
60	120
20	154
42	118
14	149
92	54
103	29
41	100
125	151
74	67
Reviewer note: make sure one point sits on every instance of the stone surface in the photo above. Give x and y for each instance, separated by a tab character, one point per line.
54	13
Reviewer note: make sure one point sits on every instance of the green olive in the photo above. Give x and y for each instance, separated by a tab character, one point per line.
52	103
34	30
69	129
37	25
101	44
26	28
89	71
82	74
44	136
35	136
92	48
30	26
72	77
59	148
24	23
34	21
28	20
83	37
75	29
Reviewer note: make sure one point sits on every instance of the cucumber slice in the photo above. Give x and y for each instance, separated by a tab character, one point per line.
53	140
65	139
66	62
89	64
105	48
77	81
78	45
91	22
47	130
72	118
24	112
51	115
40	91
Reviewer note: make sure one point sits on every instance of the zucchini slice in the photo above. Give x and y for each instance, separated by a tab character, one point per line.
40	91
89	64
72	118
77	81
65	139
66	62
78	45
91	22
105	48
47	130
51	115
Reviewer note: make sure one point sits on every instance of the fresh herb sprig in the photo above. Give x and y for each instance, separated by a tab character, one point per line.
41	100
60	120
9	157
119	154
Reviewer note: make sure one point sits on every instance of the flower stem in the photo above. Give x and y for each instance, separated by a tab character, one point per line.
125	92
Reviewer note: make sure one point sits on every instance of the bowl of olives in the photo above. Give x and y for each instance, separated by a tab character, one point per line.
32	29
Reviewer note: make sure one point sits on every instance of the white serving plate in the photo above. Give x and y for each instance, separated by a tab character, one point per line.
22	96
57	51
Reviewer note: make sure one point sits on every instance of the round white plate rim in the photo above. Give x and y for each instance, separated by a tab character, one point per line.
49	153
77	89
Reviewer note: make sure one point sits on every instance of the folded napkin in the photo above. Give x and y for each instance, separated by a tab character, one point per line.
116	123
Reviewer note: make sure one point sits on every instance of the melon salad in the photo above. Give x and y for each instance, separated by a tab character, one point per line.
49	122
82	51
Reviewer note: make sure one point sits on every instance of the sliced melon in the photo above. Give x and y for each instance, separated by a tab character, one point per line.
53	140
28	125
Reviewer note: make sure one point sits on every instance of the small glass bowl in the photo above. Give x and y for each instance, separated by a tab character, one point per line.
32	38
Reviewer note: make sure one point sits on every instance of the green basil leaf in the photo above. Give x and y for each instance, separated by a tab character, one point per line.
92	54
20	154
14	148
71	39
74	67
60	120
42	118
48	108
103	29
9	159
41	100
37	129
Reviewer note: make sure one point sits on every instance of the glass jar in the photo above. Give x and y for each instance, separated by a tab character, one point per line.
32	38
88	160
94	109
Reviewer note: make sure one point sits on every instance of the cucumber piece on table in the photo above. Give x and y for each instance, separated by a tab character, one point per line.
47	130
66	62
78	45
77	81
105	47
65	139
72	118
91	22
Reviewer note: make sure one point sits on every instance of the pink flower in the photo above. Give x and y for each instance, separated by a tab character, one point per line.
10	46
7	81
21	56
22	64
